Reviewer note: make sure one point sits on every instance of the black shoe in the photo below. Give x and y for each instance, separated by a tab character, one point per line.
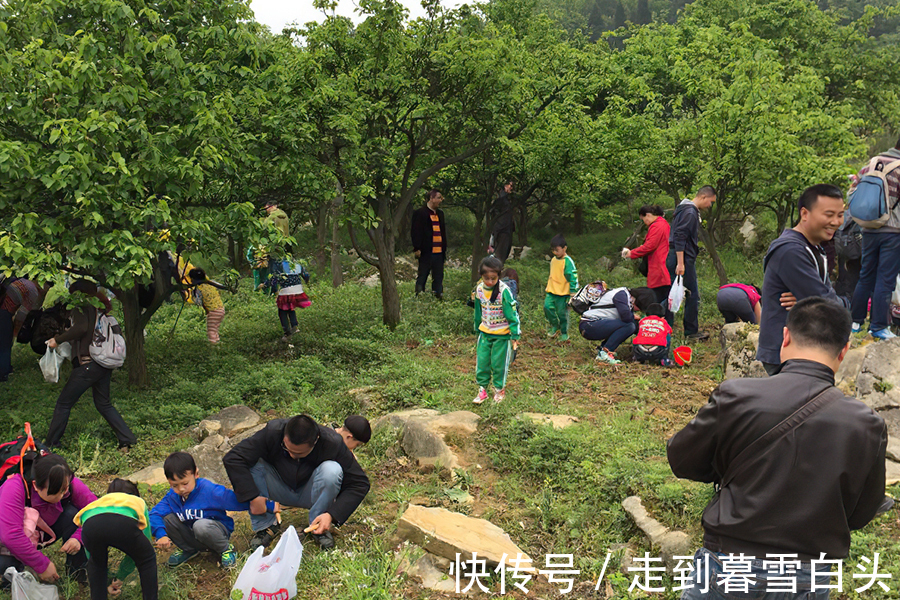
265	536
698	335
325	540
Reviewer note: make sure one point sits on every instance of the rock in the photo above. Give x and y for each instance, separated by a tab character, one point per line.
878	384
748	232
446	533
604	263
151	475
557	421
229	421
434	571
891	472
422	433
209	463
234	441
371	281
739	343
526	250
893	449
364	396
670	543
214	440
207	428
848	373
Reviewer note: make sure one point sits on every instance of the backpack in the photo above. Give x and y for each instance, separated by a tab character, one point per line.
848	240
108	345
869	199
5	282
18	456
587	296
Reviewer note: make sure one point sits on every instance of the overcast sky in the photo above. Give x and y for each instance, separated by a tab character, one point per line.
278	13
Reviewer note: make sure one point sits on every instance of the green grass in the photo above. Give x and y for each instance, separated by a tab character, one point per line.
552	491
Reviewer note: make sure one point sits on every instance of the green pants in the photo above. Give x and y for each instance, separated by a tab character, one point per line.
493	353
556	311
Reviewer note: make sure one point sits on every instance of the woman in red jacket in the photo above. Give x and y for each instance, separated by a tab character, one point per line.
655	248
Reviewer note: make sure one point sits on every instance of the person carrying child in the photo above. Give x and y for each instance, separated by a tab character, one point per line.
118	520
654	337
291	296
496	322
192	514
562	283
208	297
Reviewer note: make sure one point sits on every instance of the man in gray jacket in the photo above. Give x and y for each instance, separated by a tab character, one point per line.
797	464
880	254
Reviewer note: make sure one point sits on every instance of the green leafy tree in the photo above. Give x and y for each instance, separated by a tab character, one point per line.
117	125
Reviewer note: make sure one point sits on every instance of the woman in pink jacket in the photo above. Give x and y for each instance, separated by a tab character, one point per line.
57	495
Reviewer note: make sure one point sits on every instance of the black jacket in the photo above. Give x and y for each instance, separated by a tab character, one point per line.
807	491
503	213
685	231
422	231
266	445
793	265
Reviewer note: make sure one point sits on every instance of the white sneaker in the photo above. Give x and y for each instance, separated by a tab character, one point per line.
856	327
607	357
481	397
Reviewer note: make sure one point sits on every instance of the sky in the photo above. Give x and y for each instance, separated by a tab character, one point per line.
278	13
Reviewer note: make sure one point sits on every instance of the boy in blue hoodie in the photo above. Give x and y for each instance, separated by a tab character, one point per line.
192	515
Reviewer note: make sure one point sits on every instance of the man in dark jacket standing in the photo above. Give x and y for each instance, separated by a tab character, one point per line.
684	240
429	240
798	465
296	462
504	224
795	264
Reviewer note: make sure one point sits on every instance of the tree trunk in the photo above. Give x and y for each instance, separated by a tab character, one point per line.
477	247
321	233
523	225
708	240
579	220
337	273
384	241
134	338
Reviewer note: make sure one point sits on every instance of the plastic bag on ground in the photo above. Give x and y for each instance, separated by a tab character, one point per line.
26	587
676	294
272	577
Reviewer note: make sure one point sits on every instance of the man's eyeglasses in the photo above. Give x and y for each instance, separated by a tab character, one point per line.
292	454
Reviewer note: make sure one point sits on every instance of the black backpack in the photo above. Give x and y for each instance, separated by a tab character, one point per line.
848	239
18	456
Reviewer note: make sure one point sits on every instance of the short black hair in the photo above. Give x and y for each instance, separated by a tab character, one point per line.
178	464
820	323
655	310
123	486
197	275
359	426
651	209
810	195
707	190
432	193
643	298
558	241
51	471
490	263
302	430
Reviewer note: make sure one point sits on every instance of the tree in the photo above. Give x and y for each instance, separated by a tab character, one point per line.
117	122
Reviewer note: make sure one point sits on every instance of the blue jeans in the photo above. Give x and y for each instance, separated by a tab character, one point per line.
6	342
609	332
877	279
691	318
316	494
759	577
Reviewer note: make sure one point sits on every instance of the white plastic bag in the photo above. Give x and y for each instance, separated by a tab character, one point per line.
272	577
895	297
676	294
26	587
52	360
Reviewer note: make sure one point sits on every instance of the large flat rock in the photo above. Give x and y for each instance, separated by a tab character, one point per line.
423	431
446	533
739	344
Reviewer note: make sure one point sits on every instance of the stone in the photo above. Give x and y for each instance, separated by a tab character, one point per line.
557	421
891	472
878	384
604	264
207	428
214	440
739	344
893	449
433	571
234	419
526	250
209	463
151	475
447	533
748	232
423	432
372	280
850	368
235	440
670	543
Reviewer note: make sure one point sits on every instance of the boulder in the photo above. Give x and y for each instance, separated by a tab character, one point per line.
748	232
446	533
605	264
523	254
228	422
151	475
556	421
850	368
739	343
878	384
670	543
423	432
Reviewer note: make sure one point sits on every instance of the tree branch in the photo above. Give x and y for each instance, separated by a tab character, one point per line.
359	250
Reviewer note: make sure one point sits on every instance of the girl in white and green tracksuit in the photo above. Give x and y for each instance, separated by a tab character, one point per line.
496	322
